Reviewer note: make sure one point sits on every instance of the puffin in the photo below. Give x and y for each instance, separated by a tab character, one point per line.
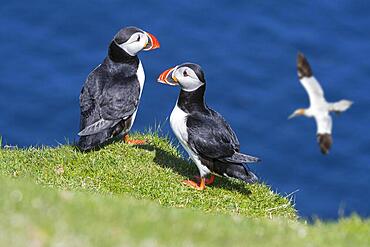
204	133
319	108
110	96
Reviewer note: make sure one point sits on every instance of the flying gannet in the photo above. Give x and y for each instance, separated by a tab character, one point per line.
319	108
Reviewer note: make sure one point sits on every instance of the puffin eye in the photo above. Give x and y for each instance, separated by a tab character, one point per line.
138	38
185	73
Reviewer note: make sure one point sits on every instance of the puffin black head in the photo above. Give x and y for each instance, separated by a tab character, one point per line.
132	40
189	76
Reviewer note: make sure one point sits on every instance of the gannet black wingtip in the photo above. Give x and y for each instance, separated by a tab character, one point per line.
325	141
303	67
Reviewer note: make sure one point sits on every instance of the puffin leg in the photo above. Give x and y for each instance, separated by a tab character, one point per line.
208	181
201	186
127	140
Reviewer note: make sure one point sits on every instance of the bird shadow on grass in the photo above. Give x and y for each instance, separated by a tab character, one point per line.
180	166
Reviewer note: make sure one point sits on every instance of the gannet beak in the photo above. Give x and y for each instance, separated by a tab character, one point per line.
152	43
298	112
167	77
292	116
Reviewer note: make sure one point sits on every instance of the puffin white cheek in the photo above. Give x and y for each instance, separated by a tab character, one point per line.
190	84
133	48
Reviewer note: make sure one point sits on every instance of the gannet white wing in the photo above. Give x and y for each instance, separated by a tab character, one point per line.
340	106
324	123
314	90
309	82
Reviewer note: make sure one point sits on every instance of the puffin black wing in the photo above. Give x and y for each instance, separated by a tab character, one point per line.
210	136
121	99
90	112
118	101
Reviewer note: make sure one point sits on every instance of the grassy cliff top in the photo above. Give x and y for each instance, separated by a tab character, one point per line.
32	215
128	195
153	171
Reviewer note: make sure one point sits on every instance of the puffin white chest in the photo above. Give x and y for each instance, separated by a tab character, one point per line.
141	77
178	125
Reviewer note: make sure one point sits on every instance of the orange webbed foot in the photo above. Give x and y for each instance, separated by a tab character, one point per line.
136	142
127	140
208	181
193	184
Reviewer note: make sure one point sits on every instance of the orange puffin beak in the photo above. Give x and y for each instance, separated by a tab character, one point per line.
153	42
167	77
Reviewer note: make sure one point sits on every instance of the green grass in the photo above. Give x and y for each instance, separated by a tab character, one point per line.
127	195
31	215
152	171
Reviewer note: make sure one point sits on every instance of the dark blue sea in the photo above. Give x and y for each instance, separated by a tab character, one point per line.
248	52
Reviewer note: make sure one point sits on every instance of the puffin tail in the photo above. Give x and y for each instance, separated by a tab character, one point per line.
238	171
242	158
242	172
92	142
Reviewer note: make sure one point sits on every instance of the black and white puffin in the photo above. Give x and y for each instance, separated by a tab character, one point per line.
111	94
204	133
319	108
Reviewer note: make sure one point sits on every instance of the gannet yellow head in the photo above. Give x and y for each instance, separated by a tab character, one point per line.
298	112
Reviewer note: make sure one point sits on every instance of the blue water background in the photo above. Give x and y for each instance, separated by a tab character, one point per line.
248	52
